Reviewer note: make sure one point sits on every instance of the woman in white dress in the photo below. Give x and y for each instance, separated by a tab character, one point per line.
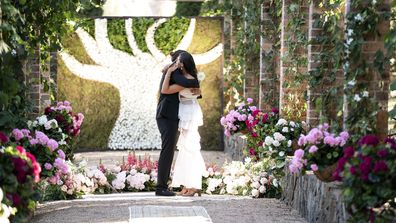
190	166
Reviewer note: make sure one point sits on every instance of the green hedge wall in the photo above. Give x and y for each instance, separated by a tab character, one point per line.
98	101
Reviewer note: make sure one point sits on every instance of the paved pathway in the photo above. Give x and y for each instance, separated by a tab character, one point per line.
114	208
117	208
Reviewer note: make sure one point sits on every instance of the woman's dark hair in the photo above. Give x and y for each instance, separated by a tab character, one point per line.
188	63
175	55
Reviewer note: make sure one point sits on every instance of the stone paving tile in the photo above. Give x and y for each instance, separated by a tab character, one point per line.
115	208
165	214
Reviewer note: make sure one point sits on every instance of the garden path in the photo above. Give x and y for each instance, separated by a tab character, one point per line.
115	207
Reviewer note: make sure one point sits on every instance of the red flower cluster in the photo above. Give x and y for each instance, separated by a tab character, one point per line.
22	169
366	163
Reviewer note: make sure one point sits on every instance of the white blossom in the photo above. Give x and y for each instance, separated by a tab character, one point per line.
349	32
42	120
268	140
51	124
262	189
365	94
281	121
255	193
352	83
276	143
357	98
285	129
292	124
279	137
289	143
358	17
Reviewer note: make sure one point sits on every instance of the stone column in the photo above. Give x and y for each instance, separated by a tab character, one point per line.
292	100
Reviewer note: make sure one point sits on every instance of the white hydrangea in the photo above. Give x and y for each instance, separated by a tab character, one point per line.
42	120
119	182
263	180
51	124
289	143
262	189
268	140
292	124
285	129
279	137
281	121
255	193
276	143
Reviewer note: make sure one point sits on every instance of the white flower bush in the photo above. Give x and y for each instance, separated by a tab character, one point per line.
5	210
136	126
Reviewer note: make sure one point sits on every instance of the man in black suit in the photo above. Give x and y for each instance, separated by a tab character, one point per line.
168	121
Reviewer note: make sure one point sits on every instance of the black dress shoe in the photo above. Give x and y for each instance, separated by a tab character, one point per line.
164	192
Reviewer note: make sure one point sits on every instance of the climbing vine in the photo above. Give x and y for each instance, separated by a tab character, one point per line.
362	75
327	75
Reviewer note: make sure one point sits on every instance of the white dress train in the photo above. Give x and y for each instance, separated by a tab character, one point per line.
189	166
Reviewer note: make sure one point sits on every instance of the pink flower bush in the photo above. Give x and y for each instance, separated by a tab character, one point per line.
239	118
319	148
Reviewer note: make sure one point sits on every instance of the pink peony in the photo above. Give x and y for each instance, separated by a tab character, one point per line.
249	100
299	153
314	167
223	121
227	133
47	166
352	170
61	154
33	141
301	141
18	134
313	149
41	137
344	135
52	144
330	140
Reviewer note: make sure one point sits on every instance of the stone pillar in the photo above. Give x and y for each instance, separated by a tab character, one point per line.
269	83
36	75
292	100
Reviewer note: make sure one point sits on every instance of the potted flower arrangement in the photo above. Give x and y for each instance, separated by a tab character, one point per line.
235	120
59	123
368	175
319	152
20	172
274	137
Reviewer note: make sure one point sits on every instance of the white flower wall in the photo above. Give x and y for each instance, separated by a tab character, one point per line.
137	77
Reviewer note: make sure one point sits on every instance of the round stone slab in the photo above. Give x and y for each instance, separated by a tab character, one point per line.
168	214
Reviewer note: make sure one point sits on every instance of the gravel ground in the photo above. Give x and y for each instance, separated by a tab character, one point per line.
114	208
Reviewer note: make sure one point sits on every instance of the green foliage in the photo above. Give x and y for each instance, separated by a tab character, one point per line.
330	61
170	33
139	28
13	104
117	35
188	8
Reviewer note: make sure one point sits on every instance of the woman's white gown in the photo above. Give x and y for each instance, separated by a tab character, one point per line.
189	166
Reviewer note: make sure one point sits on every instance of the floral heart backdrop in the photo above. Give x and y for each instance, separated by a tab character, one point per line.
116	67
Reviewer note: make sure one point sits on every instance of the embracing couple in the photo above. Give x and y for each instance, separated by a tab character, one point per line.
178	109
